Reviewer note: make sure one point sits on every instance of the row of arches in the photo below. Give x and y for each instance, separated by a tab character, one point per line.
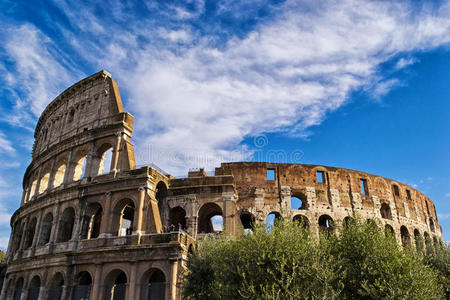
153	286
67	169
28	234
385	212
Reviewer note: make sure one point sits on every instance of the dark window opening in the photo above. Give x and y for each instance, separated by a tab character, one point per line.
320	177
326	222
408	194
177	217
385	211
405	236
270	174
156	286
302	220
248	222
82	288
396	190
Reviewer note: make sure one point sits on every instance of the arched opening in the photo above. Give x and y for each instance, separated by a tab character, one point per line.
66	225
82	288
125	210
18	289
404	233
154	285
177	216
348	221
432	225
80	165
116	283
385	211
248	222
35	286
59	173
271	219
302	220
29	235
298	201
161	193
389	231
92	221
326	223
102	161
210	218
33	186
435	242
418	240
46	229
18	230
43	184
56	287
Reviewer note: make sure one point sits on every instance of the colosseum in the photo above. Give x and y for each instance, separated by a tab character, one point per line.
96	227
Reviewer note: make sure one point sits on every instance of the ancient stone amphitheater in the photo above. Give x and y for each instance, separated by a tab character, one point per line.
93	226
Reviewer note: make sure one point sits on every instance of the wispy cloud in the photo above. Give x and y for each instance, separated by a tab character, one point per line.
443	216
404	62
5	144
447	195
206	95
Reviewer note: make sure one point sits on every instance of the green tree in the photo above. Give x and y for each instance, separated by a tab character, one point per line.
289	262
2	256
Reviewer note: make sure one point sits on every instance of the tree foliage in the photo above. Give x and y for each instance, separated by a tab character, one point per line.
289	262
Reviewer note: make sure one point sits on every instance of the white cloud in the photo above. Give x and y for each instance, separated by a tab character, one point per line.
197	101
4	240
5	144
447	195
443	216
404	62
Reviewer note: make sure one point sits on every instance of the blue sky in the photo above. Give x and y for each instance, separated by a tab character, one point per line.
356	84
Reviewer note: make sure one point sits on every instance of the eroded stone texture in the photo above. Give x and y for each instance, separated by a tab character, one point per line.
91	227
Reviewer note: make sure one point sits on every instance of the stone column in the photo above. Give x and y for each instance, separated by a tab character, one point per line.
97	286
173	279
140	210
37	232
51	177
69	167
105	226
115	154
36	189
132	284
55	225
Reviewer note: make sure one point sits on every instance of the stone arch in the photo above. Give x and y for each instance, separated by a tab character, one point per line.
154	285
46	229
82	287
389	230
34	288
271	219
29	234
406	239
298	200
302	220
18	234
205	215
385	211
58	178
247	221
124	213
101	162
34	182
161	193
79	164
428	245
432	227
66	224
115	285
326	222
18	289
44	182
177	216
418	239
92	220
56	286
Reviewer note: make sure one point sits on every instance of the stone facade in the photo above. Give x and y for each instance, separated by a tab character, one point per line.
88	230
